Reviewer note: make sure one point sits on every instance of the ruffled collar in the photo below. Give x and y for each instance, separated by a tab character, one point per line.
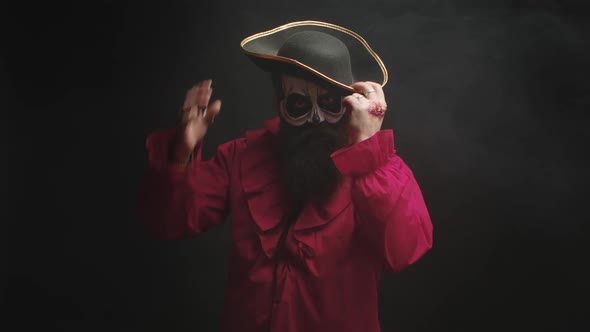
260	177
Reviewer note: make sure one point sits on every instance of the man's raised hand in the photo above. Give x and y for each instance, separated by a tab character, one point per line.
195	117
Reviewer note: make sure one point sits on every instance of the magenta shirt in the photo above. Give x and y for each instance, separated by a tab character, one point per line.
375	221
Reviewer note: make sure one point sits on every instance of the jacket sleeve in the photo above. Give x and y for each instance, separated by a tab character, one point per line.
390	211
179	203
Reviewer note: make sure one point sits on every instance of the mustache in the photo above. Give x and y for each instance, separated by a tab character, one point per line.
296	136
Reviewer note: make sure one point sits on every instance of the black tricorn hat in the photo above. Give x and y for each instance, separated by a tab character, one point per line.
317	51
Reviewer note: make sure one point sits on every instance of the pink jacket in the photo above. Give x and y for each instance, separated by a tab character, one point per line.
376	221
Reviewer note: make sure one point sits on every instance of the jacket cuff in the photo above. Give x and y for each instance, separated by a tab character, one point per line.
366	156
158	149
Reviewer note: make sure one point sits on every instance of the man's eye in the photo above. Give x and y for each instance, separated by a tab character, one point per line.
298	105
329	102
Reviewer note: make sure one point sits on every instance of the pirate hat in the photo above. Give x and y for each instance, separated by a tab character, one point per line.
317	51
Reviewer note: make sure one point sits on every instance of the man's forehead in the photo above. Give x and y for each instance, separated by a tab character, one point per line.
293	83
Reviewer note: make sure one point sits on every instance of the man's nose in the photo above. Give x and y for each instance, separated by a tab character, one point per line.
315	115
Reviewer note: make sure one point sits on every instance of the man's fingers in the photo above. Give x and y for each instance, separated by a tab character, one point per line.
199	94
352	101
191	97
370	90
362	87
212	111
194	112
378	95
204	94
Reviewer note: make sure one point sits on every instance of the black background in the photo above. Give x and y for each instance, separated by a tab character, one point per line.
489	102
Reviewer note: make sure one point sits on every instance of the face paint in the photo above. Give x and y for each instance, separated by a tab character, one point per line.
305	101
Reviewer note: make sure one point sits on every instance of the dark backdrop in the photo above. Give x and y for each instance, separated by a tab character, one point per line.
489	101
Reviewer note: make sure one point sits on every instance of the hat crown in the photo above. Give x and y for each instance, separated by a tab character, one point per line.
320	50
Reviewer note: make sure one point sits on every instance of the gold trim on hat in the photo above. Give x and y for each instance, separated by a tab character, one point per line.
295	62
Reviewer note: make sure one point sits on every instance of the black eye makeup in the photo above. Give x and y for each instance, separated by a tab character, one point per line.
298	105
330	102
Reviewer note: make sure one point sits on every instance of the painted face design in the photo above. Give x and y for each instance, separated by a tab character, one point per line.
305	101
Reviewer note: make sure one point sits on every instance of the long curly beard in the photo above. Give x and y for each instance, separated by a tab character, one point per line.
307	170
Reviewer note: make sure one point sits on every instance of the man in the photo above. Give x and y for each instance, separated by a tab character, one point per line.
320	202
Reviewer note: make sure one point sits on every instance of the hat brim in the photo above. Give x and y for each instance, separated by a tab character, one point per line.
262	48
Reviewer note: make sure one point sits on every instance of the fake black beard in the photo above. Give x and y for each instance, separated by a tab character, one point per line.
307	170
